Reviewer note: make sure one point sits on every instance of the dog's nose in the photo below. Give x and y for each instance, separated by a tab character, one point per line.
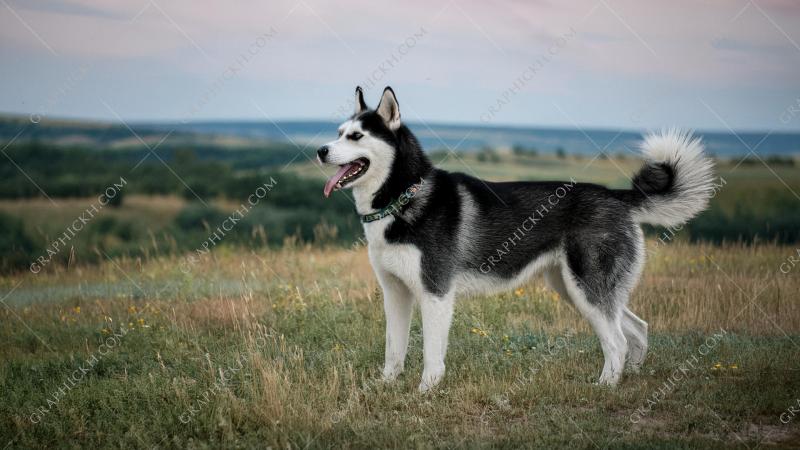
322	153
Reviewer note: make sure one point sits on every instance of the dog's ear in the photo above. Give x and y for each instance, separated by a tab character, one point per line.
389	109
361	105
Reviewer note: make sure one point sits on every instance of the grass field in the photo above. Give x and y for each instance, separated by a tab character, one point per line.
282	348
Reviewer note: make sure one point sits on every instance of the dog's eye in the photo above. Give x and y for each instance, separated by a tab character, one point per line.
355	136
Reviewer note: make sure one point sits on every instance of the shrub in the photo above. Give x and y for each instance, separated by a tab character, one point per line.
16	247
116	200
197	216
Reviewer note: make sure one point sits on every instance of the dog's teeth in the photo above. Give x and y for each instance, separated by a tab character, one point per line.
346	178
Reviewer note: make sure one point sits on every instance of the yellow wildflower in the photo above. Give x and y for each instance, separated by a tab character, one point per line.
519	292
479	332
76	310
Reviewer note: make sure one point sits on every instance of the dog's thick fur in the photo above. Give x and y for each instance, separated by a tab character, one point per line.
461	235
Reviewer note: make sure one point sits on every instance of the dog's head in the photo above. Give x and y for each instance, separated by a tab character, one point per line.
366	147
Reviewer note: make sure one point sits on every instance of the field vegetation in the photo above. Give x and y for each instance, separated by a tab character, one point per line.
283	348
143	331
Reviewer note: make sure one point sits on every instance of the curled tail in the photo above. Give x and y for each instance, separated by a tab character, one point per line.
676	181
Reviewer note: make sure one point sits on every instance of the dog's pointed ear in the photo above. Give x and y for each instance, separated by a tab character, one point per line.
361	105
389	109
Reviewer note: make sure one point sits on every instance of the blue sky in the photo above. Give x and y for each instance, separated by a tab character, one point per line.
607	63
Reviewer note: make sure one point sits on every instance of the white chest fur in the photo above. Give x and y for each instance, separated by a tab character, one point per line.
401	260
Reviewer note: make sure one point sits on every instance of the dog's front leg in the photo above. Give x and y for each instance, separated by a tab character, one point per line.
398	306
437	314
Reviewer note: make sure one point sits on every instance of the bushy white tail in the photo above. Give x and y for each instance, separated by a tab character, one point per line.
676	181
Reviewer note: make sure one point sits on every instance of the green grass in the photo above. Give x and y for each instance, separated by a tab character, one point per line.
298	336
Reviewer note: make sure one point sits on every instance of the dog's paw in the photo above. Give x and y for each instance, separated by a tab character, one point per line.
635	359
390	374
430	379
610	380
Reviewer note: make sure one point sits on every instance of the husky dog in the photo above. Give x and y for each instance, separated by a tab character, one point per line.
433	235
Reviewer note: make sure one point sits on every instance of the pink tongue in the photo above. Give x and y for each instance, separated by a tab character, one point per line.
331	183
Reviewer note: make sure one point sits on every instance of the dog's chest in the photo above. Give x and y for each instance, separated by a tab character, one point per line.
401	260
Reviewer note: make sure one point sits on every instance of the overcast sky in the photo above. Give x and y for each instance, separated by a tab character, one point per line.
609	63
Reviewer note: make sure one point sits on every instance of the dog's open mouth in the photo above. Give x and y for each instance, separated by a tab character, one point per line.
346	174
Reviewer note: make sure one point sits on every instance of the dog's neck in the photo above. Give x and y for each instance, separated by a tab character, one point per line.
410	165
363	195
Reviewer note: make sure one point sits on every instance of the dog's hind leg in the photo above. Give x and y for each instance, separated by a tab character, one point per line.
437	315
398	306
606	321
635	330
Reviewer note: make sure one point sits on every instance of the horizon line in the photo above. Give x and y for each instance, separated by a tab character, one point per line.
162	122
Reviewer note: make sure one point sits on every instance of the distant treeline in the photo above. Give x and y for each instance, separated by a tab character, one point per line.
78	172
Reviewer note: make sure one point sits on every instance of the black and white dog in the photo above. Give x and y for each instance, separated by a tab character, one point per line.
434	235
